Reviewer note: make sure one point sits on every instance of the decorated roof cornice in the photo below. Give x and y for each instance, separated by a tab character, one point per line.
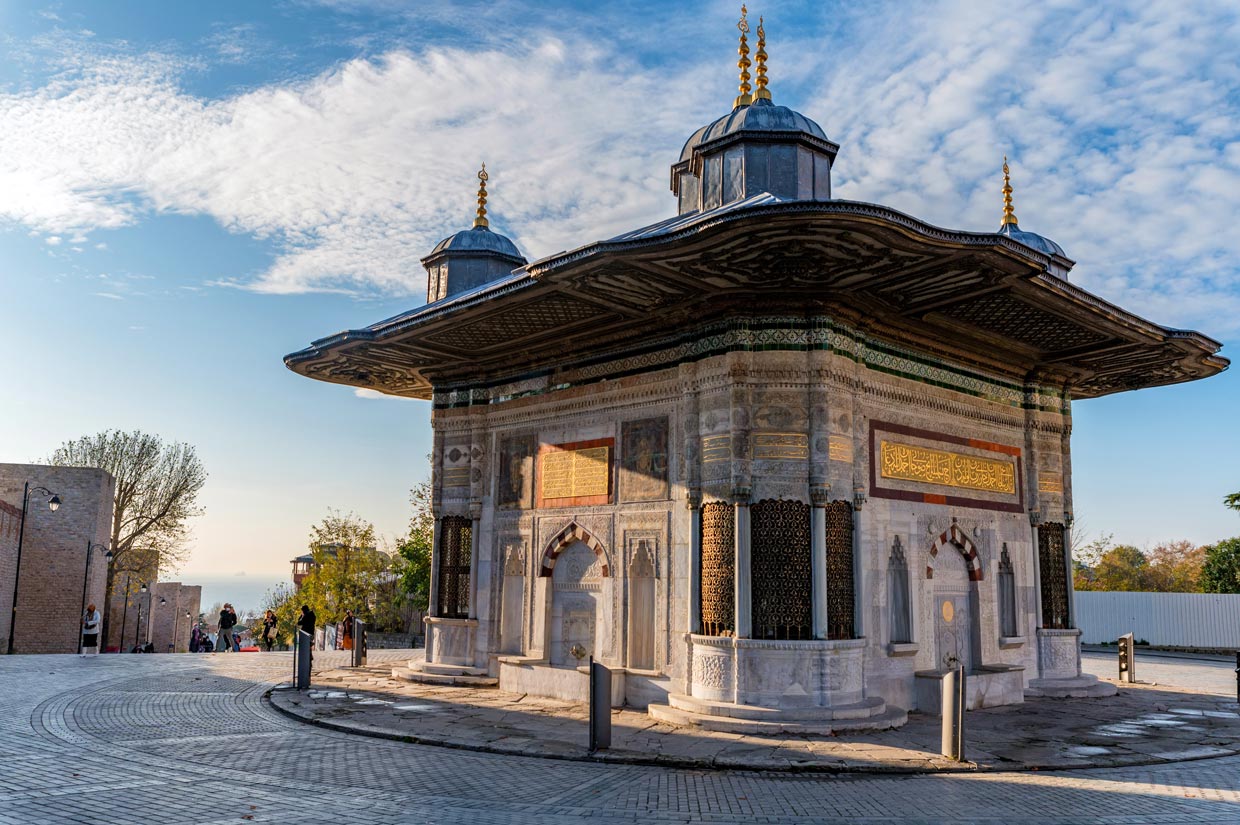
908	278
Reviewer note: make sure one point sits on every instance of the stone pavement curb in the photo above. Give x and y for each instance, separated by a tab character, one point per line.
911	759
612	756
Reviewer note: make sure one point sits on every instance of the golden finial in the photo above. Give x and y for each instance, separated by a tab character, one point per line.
481	220
1009	215
744	98
762	93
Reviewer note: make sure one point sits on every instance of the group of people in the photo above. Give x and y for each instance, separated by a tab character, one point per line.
226	639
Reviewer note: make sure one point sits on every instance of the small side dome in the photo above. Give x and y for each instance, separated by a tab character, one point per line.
471	257
478	239
1032	240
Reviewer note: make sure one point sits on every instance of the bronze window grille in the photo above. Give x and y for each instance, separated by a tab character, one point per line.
1054	568
840	591
779	570
455	550
718	569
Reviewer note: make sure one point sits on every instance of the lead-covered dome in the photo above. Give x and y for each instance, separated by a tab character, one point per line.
471	257
757	148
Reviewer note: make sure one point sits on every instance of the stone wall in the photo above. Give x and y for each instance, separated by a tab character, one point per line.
54	571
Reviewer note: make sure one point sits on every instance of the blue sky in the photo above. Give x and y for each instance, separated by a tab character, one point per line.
190	191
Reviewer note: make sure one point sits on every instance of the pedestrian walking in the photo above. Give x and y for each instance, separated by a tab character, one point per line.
348	630
306	624
195	639
269	629
227	621
90	631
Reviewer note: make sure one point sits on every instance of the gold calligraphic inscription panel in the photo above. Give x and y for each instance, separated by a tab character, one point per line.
912	463
781	446
839	448
572	473
456	477
716	448
1050	483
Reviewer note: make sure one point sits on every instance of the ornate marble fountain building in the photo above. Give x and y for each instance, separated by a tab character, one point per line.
779	459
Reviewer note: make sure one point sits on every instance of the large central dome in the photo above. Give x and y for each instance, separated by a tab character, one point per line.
757	148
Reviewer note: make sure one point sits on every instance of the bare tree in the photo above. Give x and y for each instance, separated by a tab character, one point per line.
157	486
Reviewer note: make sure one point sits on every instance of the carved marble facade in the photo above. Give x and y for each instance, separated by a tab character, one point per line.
737	544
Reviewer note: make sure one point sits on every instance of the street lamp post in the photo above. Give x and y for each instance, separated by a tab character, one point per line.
53	504
137	628
107	554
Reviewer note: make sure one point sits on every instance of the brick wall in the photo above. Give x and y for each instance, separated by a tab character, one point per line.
54	554
10	519
169	618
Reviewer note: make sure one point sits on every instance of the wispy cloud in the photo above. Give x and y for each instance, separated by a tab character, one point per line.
1122	124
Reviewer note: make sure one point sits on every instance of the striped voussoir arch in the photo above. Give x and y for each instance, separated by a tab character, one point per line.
569	535
957	538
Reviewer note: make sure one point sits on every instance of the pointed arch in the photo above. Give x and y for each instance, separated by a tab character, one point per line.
957	538
571	534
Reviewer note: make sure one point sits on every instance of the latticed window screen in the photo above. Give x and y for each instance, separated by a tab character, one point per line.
839	570
1007	594
1054	569
779	570
455	546
898	595
718	569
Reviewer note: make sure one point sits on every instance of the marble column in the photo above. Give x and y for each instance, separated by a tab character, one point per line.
744	607
819	496
694	503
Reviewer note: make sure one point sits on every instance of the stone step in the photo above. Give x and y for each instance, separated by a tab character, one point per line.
891	717
446	679
1085	686
446	670
864	709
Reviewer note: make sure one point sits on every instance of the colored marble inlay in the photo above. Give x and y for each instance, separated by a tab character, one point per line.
911	463
572	473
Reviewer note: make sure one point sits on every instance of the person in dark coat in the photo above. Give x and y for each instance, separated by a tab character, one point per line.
307	620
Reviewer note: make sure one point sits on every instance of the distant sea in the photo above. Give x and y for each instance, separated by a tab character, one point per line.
246	593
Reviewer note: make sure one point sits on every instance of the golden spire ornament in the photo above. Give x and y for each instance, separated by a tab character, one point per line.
1009	214
744	98
481	220
761	93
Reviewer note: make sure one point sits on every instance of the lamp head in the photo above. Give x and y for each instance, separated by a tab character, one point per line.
54	503
143	588
162	601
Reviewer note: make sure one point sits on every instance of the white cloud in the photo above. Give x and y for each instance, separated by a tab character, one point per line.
1121	123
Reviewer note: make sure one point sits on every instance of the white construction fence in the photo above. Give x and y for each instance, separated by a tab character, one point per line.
1192	620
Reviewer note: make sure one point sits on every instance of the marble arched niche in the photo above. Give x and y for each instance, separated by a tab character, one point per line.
512	601
641	608
956	615
579	612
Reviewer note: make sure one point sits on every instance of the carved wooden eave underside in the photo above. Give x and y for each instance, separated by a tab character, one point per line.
980	300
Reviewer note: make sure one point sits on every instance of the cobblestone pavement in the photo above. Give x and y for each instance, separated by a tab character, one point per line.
189	739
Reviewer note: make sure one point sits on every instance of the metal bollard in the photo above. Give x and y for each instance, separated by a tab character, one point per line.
952	741
305	649
1127	659
600	707
359	643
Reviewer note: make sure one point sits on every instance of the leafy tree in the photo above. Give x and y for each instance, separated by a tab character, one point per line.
1122	567
1175	567
351	573
157	487
415	549
1232	501
1085	558
1221	571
